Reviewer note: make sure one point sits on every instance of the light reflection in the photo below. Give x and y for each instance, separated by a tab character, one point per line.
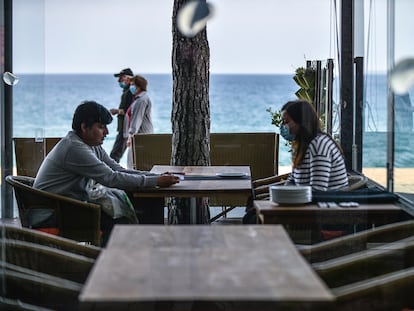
193	17
402	76
10	79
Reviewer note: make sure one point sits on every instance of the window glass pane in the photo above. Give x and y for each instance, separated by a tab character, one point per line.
375	92
404	142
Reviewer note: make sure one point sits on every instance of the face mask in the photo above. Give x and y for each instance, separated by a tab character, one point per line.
122	84
285	133
132	89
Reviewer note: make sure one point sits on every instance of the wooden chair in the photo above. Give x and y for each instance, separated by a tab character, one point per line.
258	150
380	278
151	149
39	290
41	238
48	260
359	266
76	220
360	241
30	153
392	291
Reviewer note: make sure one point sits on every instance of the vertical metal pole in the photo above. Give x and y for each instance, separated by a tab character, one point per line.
7	116
318	87
390	94
347	78
358	115
329	95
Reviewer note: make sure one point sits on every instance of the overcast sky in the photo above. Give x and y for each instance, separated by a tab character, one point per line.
102	36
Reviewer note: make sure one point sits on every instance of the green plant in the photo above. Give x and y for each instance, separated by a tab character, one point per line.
305	78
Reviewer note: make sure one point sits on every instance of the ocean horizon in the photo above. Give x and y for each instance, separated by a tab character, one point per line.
44	106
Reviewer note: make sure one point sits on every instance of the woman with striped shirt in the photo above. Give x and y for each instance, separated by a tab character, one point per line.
317	160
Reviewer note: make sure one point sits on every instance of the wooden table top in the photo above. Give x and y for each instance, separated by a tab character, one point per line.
202	181
243	265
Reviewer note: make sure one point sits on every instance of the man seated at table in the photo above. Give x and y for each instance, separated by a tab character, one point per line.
79	157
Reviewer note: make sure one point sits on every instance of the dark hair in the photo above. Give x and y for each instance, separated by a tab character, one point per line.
140	81
303	114
90	112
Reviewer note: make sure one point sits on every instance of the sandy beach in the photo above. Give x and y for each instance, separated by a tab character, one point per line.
403	177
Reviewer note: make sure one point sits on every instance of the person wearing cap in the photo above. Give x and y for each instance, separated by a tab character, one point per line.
119	146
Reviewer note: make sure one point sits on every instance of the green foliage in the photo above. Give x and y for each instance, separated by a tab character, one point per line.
305	78
276	117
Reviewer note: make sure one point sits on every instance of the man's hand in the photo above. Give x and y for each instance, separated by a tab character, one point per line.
167	180
113	111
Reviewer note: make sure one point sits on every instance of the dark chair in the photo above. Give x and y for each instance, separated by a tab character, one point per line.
370	263
75	219
360	241
47	260
392	291
41	238
30	153
380	278
39	290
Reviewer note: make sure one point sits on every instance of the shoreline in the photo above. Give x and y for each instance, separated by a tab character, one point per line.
403	177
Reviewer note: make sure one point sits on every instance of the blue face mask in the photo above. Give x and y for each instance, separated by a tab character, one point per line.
132	89
285	133
122	84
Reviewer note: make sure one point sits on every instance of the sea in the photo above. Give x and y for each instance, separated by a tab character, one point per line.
43	105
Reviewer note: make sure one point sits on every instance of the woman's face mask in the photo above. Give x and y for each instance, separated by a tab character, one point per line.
132	89
285	133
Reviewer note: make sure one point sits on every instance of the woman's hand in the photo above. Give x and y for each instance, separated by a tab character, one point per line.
167	180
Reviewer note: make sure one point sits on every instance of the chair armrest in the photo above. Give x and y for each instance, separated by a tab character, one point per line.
269	180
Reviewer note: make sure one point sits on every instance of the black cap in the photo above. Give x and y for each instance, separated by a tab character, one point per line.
126	72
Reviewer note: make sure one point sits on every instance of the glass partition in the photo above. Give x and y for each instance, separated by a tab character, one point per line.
374	155
403	128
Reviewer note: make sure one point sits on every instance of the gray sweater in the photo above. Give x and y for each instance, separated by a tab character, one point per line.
71	163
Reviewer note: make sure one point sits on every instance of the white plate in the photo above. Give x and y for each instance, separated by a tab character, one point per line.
233	175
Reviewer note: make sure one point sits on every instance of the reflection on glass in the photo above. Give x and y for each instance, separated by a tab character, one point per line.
10	79
193	16
402	76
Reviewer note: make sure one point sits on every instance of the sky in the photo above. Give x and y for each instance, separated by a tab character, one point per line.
103	36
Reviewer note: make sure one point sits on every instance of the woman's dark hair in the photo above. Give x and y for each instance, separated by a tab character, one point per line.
90	112
303	113
140	81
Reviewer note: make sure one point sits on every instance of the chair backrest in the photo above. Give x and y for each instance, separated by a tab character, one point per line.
45	239
258	150
391	291
358	242
40	290
30	153
366	264
151	149
75	219
48	260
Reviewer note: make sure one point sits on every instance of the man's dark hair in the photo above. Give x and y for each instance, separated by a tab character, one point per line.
90	112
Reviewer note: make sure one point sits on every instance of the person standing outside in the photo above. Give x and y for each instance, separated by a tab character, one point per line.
119	146
139	118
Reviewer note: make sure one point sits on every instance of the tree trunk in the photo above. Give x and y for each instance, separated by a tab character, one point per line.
190	115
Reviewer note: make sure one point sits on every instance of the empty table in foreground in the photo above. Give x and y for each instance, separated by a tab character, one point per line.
202	267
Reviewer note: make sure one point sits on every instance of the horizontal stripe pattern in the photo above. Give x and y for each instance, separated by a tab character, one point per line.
323	166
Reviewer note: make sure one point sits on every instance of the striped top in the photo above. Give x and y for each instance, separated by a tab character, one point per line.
323	166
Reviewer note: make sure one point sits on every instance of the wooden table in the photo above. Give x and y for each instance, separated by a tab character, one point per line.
201	181
201	267
313	216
